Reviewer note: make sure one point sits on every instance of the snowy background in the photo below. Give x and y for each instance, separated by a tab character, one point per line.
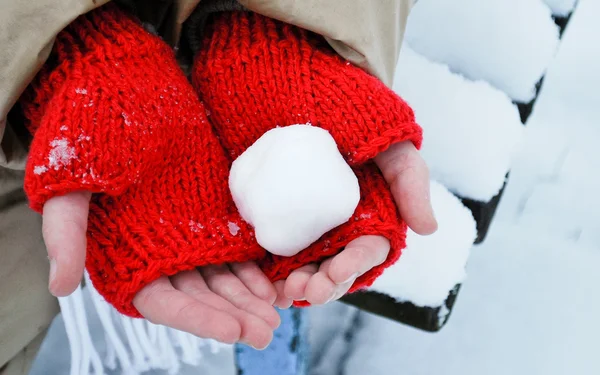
530	303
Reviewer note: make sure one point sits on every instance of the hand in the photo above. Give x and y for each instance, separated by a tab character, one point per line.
408	177
228	303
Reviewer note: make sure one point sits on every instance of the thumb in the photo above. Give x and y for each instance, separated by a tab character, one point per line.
64	228
408	177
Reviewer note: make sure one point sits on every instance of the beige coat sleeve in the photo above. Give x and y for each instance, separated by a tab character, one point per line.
366	32
27	308
27	31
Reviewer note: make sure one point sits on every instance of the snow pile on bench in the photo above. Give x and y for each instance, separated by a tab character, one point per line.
471	130
431	266
561	7
508	43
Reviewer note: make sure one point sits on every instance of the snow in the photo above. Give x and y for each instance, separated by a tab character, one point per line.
561	7
530	303
471	136
126	119
60	156
293	186
329	344
431	266
508	43
527	308
234	229
40	169
195	226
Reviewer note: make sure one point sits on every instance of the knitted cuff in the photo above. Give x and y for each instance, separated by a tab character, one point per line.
255	73
83	108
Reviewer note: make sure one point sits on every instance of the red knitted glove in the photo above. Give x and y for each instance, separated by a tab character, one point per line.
255	73
112	113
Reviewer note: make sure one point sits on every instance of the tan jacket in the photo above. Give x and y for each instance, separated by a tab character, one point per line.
366	32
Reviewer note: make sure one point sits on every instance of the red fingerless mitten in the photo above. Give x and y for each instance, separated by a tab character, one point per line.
254	73
112	113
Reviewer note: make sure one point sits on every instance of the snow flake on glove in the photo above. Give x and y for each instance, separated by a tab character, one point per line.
60	156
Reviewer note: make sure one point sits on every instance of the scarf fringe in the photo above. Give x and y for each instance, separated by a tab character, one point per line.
133	345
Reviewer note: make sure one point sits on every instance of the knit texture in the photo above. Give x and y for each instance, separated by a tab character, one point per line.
254	73
112	113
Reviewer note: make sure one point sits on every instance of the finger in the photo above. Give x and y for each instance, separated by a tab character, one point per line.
359	256
161	303
255	331
320	288
282	301
342	289
255	280
408	176
295	284
224	283
64	229
193	283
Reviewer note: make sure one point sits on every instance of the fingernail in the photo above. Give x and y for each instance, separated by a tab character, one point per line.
436	222
254	347
352	277
52	273
250	345
332	297
285	306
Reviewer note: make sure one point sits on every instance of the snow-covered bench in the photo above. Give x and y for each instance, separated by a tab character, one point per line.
472	71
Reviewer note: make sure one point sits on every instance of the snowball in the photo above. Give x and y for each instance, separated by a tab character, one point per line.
431	266
293	186
508	43
561	7
471	130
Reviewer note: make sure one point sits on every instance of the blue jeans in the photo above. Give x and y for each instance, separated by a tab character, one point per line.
287	354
